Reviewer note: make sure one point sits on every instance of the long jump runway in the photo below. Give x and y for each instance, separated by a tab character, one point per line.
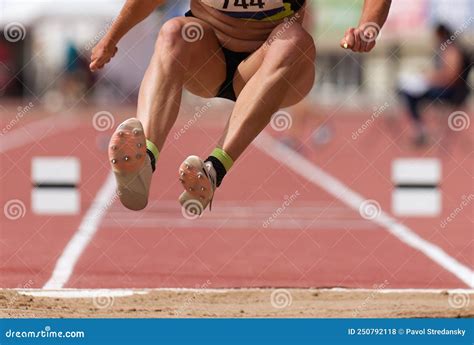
280	219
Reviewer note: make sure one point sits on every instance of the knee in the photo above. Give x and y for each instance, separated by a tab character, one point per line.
299	37
292	45
177	34
170	35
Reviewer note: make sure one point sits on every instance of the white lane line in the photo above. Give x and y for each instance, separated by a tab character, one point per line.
305	168
90	293
252	205
34	131
81	293
86	231
179	222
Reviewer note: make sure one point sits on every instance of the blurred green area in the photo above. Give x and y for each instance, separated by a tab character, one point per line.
333	17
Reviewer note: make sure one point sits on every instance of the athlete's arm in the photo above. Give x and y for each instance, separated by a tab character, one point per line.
362	38
132	13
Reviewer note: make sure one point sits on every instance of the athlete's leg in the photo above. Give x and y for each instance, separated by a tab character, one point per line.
187	54
180	59
277	75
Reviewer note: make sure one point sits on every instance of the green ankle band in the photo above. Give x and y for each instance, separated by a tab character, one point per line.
152	147
223	157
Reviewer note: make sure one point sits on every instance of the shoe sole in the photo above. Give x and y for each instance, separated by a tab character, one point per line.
127	155
198	187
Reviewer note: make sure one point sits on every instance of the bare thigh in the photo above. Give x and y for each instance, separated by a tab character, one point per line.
198	52
299	85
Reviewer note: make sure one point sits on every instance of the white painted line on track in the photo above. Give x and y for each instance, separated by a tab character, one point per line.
223	223
82	293
90	293
305	168
86	231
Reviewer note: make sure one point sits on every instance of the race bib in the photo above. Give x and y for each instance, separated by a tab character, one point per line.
246	6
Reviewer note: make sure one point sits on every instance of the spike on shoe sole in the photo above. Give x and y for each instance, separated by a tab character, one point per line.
127	149
130	164
198	187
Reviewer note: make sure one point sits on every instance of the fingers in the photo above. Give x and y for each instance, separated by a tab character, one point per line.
97	64
369	35
99	60
352	40
93	66
370	46
348	40
359	40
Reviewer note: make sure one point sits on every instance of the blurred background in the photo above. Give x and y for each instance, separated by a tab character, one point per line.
45	45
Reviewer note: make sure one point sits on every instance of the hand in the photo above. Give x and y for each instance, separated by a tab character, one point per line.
361	39
102	53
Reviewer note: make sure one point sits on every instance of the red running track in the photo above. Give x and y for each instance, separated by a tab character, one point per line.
314	240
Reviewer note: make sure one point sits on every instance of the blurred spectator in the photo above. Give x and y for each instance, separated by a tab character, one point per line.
447	82
77	77
11	76
5	66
